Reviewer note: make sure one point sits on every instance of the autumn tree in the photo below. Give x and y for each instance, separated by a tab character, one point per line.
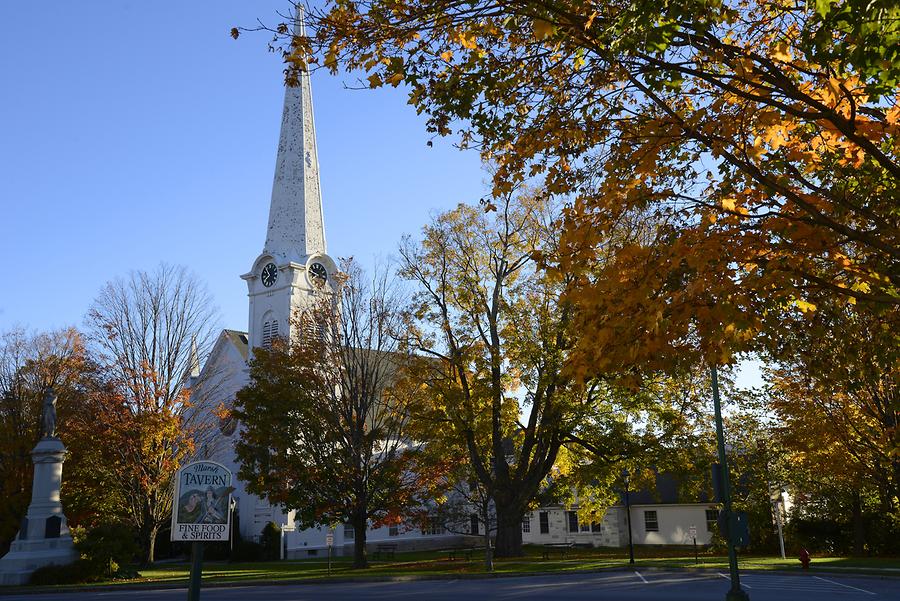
324	419
496	330
759	136
143	330
654	423
835	383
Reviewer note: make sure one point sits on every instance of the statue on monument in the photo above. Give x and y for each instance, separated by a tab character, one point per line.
48	416
44	538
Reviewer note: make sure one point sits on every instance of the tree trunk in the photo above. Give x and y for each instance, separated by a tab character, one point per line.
360	560
151	544
509	531
488	551
859	528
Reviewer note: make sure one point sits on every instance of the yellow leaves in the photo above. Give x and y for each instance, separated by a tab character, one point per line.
861	287
331	59
728	204
375	80
590	20
395	79
543	29
892	116
466	39
804	306
467	42
781	52
447	55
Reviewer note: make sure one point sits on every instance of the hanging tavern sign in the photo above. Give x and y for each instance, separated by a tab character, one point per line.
200	508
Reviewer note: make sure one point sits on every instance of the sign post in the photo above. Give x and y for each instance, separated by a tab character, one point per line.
201	512
329	542
693	532
736	593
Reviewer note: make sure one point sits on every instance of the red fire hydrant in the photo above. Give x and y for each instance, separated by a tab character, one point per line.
804	558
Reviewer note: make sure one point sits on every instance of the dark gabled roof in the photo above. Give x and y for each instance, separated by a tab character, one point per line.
240	341
666	492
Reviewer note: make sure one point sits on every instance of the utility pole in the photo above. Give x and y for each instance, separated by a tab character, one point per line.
736	593
777	501
625	477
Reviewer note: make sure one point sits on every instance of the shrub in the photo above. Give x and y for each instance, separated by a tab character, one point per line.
107	547
245	550
271	541
78	572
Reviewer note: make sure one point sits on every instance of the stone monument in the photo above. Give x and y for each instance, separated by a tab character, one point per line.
43	537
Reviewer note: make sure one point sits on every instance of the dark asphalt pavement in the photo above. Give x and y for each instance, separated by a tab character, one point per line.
613	586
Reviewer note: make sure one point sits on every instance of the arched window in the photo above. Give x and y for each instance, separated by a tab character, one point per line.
311	330
269	331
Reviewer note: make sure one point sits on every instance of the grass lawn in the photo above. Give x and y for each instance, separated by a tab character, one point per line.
437	564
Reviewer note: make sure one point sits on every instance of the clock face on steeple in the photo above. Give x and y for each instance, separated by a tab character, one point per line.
269	275
318	274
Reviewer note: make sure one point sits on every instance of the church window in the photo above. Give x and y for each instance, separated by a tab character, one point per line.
269	332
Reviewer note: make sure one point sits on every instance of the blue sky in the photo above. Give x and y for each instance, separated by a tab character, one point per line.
138	132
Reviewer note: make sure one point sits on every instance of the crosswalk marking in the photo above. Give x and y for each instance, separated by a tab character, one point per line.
743	584
844	585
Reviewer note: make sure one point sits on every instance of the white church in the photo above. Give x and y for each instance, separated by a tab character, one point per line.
292	269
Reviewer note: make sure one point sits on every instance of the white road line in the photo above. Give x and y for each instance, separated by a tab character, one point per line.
644	580
729	578
862	590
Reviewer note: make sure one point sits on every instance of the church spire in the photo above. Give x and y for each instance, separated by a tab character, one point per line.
296	224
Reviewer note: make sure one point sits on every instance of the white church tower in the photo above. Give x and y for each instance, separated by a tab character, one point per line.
294	264
291	272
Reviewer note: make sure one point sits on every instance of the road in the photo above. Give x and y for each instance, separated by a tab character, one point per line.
625	586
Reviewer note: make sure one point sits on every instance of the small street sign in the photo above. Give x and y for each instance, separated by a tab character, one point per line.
693	531
329	539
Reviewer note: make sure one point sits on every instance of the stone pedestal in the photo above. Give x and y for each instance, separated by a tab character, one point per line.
44	537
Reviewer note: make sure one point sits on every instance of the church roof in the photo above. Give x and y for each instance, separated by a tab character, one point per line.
240	341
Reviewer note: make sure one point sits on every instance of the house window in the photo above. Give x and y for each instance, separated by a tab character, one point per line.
526	523
573	520
434	527
651	522
596	527
712	520
394	530
584	527
473	524
544	518
349	532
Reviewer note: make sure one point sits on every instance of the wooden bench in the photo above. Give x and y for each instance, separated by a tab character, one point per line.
466	552
387	550
563	549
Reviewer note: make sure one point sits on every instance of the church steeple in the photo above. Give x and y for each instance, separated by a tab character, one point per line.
296	224
294	266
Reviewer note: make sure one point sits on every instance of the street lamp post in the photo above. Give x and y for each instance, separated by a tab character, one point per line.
736	593
625	476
